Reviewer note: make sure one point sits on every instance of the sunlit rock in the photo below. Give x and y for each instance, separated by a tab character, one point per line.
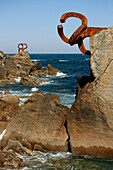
90	124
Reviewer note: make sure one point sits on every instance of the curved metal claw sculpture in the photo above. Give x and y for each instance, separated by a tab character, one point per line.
22	47
80	34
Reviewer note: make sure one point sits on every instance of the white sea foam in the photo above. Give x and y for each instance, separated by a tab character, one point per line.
18	79
2	92
44	83
27	94
2	134
41	59
60	74
34	89
31	76
63	60
33	60
22	101
87	59
38	60
44	157
18	93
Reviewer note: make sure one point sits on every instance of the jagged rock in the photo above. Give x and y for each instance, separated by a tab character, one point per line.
23	63
7	92
17	147
20	65
12	67
36	69
31	81
51	71
40	124
2	55
10	160
90	123
7	81
3	73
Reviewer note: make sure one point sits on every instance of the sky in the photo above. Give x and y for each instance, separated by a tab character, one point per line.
35	22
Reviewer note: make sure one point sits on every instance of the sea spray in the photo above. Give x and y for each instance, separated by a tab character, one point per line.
2	134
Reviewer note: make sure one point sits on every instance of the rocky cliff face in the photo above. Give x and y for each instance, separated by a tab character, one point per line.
90	123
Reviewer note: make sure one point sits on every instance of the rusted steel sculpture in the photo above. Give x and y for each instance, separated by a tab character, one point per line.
22	47
80	34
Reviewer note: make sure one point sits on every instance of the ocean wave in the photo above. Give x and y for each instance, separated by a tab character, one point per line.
45	83
18	79
34	60
34	89
44	157
2	92
38	60
15	92
27	94
60	74
60	160
63	60
31	76
87	59
22	100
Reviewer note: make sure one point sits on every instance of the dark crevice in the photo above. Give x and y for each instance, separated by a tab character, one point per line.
68	140
82	81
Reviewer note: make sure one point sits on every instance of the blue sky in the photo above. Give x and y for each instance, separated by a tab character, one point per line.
35	22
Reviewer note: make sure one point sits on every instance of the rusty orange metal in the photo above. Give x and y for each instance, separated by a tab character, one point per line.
80	34
22	47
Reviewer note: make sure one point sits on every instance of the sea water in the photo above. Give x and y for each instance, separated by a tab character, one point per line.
64	84
72	66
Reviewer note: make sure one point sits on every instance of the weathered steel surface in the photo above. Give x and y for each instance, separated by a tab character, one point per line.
22	47
80	34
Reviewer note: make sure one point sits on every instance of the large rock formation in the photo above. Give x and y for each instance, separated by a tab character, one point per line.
51	71
37	70
23	63
90	123
12	67
40	125
20	65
